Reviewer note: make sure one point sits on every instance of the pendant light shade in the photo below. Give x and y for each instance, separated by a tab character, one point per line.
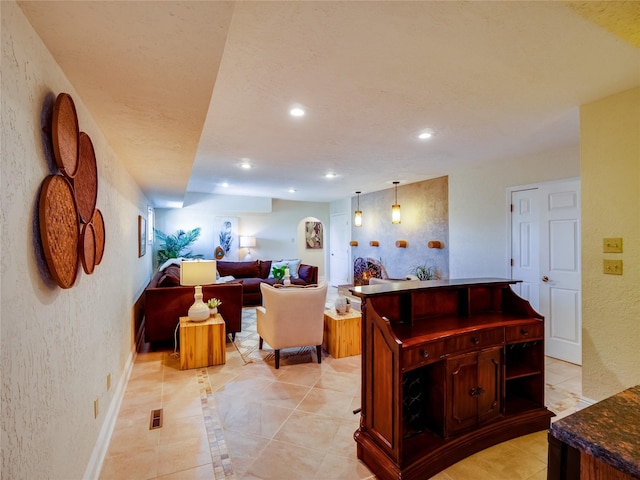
357	217
395	208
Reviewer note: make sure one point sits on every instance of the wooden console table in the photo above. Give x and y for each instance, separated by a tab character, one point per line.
202	344
449	367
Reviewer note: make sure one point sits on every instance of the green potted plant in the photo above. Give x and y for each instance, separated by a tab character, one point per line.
278	273
425	272
175	246
213	304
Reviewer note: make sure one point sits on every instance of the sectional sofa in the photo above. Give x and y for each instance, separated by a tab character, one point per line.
165	300
255	272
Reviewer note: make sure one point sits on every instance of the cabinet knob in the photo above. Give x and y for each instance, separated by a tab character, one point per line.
545	279
475	340
524	331
425	354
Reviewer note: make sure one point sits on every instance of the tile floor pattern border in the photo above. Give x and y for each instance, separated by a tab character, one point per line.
220	457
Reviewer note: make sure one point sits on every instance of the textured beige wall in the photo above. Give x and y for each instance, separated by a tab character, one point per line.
610	171
57	345
478	214
425	217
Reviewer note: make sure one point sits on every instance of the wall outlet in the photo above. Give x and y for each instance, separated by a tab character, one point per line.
612	245
612	267
108	381
96	408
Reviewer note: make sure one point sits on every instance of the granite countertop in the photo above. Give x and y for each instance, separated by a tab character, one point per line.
608	430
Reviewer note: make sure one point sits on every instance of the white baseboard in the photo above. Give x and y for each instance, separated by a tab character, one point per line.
94	466
584	402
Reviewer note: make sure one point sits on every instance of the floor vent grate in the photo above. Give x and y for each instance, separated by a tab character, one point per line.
156	419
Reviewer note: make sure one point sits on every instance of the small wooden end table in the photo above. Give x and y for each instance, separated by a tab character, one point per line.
342	335
202	344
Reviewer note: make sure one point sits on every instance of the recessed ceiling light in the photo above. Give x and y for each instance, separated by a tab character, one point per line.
330	175
225	185
296	112
292	190
246	165
424	135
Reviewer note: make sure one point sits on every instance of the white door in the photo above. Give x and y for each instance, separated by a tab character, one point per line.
560	288
339	240
525	253
545	253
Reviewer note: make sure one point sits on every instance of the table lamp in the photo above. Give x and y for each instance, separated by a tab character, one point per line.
197	273
248	243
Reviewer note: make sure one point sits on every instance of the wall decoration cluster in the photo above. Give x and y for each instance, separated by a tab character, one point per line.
72	229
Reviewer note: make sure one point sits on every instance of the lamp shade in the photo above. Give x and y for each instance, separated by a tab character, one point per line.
197	272
247	242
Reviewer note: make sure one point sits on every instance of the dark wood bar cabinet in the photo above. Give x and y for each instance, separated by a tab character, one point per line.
449	367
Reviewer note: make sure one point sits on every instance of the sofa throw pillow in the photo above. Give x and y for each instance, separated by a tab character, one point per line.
238	269
170	278
265	268
276	264
304	273
293	266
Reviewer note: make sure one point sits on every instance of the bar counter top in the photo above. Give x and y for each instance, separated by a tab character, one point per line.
608	431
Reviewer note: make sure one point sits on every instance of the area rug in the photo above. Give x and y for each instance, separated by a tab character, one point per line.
247	342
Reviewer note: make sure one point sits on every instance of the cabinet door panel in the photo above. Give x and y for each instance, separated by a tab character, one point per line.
461	403
489	395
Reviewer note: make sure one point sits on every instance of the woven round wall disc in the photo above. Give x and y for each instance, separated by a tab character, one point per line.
65	135
59	230
98	228
218	253
88	248
85	183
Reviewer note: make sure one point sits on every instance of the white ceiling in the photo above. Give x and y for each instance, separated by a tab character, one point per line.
184	91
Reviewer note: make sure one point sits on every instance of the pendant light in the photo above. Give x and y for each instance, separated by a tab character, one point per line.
357	218
395	208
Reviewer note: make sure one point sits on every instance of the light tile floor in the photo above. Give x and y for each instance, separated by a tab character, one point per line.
249	421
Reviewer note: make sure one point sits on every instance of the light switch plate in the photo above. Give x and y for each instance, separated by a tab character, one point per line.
612	245
612	267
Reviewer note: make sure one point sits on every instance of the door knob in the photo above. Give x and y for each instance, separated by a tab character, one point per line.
545	279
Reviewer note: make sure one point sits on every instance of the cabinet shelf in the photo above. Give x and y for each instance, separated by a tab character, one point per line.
515	405
519	371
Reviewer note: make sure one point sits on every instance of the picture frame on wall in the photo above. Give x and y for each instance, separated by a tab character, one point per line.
313	235
226	238
142	236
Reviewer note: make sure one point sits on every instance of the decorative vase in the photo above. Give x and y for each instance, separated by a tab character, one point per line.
341	305
213	311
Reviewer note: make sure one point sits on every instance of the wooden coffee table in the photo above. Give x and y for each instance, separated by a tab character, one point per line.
342	335
202	344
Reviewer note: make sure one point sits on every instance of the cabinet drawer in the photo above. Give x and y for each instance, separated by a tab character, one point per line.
422	355
523	333
474	341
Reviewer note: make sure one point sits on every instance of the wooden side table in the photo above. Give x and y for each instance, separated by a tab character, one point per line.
342	336
202	344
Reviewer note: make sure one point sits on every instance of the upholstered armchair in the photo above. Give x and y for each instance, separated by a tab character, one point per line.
291	317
